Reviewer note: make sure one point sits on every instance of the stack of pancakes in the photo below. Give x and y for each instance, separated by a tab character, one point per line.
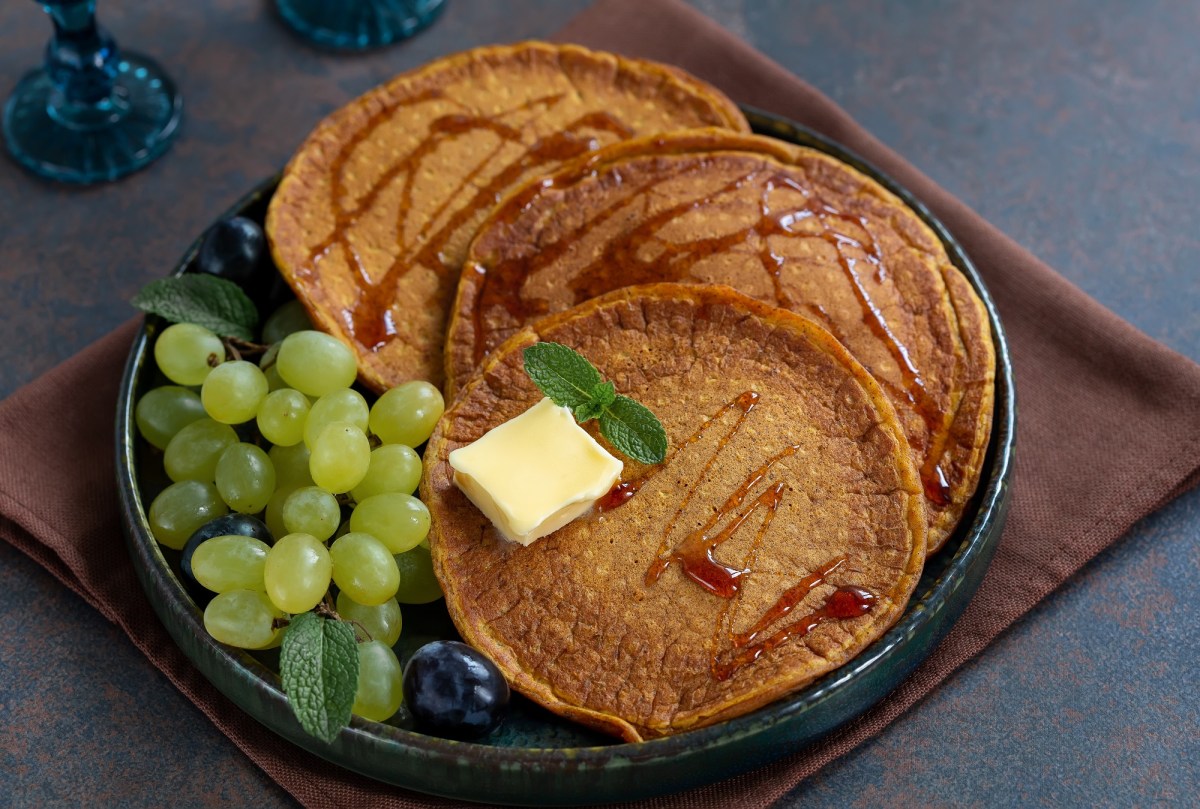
823	373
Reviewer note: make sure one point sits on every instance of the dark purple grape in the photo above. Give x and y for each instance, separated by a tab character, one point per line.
234	249
454	691
236	524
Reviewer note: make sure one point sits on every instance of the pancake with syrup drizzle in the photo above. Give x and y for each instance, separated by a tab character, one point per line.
783	533
372	218
785	224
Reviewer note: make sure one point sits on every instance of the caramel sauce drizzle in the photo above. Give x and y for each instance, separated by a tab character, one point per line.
694	554
626	261
370	321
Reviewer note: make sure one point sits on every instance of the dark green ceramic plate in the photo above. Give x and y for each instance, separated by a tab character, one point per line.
537	758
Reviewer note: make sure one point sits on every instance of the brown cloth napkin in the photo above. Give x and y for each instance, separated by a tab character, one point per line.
1082	476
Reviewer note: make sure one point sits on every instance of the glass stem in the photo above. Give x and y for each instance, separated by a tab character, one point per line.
81	60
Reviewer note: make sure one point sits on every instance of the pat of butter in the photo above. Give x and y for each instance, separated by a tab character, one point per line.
535	473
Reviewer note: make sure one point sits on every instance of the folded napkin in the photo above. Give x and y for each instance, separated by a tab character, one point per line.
1082	477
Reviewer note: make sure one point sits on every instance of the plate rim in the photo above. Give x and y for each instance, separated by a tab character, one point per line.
973	555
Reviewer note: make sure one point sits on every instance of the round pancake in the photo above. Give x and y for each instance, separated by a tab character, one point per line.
373	215
785	224
788	488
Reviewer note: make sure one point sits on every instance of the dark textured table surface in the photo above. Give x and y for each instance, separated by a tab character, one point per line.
1074	126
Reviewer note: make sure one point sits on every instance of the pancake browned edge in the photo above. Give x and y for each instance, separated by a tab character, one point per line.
782	223
787	462
373	215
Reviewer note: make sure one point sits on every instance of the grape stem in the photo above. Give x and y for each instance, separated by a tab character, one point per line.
365	632
326	610
237	347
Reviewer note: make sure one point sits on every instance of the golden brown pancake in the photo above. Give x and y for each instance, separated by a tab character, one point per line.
785	224
372	218
788	502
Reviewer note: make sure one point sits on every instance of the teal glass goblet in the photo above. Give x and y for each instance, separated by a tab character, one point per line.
358	24
91	113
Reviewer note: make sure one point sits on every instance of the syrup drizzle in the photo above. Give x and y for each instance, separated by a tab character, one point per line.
842	604
788	601
370	321
641	255
744	404
618	495
694	554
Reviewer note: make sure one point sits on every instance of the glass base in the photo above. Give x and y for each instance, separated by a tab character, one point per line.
358	24
78	143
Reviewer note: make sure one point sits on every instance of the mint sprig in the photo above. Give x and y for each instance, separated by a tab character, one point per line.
319	668
563	374
206	300
567	377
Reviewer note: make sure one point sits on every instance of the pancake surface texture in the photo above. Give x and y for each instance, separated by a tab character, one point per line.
788	502
782	223
372	218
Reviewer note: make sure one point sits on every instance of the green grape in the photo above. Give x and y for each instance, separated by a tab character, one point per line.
267	363
282	415
418	585
273	515
382	622
399	521
230	562
394	468
165	411
285	320
245	478
291	466
233	392
274	380
181	508
278	641
407	414
267	360
194	451
315	363
291	473
311	510
379	691
341	405
186	353
243	618
363	569
297	573
340	457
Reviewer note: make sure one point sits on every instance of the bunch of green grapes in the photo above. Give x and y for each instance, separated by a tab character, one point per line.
334	485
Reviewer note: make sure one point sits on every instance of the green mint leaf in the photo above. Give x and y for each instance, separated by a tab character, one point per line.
588	411
561	373
319	668
602	395
634	430
571	381
214	303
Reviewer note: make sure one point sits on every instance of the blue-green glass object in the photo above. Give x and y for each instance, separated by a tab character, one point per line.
536	757
358	24
91	113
